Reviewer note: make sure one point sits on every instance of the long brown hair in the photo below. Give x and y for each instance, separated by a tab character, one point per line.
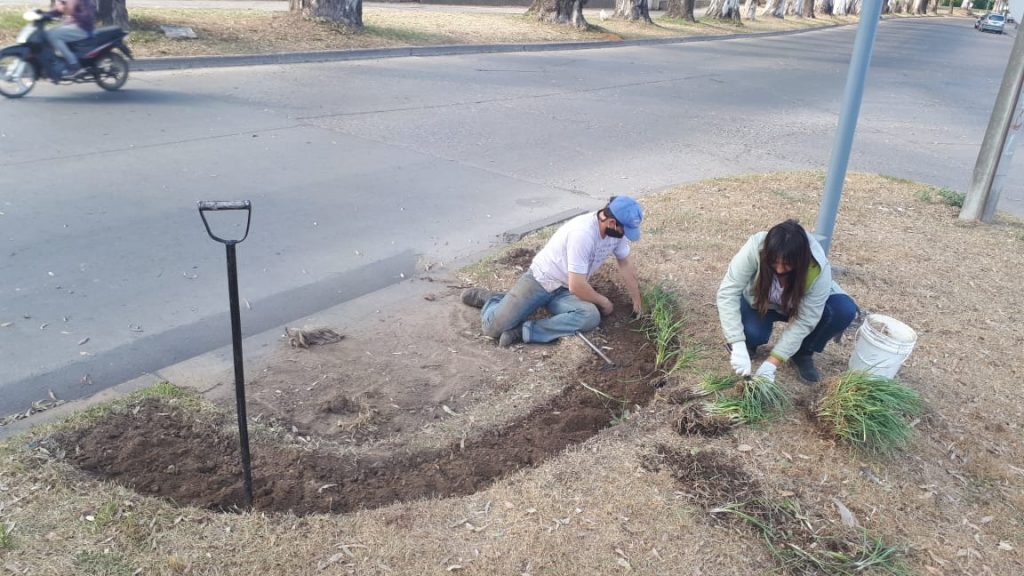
786	242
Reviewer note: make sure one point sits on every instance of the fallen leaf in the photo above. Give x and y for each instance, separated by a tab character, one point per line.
325	487
83	340
449	410
987	519
744	447
1004	545
849	520
6	324
454	567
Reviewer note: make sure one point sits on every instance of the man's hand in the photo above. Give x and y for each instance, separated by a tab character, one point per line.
606	307
740	359
767	371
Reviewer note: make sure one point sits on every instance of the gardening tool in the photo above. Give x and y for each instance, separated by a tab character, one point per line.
236	328
608	361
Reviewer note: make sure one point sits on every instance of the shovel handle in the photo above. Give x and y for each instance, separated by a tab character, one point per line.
216	206
205	205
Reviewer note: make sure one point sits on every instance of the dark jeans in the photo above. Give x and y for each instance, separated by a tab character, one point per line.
839	312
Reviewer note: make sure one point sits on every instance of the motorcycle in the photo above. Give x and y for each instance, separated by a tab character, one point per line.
32	58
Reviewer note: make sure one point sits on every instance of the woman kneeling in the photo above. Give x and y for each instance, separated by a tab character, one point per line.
781	275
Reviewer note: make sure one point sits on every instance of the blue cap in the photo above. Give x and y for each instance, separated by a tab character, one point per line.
628	213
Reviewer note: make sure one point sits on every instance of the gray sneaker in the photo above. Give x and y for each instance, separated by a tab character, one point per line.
511	337
476	297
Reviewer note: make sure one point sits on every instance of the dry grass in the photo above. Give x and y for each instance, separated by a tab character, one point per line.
254	32
954	497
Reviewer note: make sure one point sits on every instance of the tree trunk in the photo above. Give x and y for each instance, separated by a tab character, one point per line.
920	7
724	10
826	7
774	8
560	12
853	7
348	12
808	10
935	7
750	9
633	11
112	13
682	9
793	7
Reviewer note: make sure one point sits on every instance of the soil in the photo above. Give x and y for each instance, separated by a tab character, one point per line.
162	451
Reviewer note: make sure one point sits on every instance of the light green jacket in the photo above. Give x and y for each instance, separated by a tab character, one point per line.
739	280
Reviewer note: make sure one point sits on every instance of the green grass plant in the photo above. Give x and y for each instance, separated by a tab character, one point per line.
868	411
758	400
6	536
952	197
662	326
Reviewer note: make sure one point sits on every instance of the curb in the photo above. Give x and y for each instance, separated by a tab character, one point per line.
278	58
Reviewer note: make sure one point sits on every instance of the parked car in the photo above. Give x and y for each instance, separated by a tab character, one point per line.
991	23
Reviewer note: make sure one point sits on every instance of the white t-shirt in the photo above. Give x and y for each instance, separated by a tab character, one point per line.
576	247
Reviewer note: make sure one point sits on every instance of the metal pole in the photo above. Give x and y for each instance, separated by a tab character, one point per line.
997	147
871	11
236	344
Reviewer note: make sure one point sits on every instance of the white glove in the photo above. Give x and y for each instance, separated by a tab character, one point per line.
740	358
767	371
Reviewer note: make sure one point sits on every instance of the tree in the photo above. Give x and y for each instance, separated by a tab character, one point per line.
348	12
633	11
826	7
808	9
112	13
682	9
560	12
724	10
750	9
774	8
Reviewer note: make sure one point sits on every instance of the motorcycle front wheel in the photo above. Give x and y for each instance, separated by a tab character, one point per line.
17	76
111	71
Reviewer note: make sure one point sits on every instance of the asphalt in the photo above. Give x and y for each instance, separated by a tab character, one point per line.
196	62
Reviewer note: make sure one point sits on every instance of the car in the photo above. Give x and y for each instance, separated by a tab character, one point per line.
991	23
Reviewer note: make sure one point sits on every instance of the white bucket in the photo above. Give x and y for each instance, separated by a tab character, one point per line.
882	352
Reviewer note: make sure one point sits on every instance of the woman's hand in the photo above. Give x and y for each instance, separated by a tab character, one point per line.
740	358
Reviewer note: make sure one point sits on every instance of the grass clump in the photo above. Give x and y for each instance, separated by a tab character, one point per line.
662	326
801	551
6	536
868	411
951	197
758	400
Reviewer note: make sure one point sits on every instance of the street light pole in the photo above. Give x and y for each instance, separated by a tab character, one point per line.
997	147
871	11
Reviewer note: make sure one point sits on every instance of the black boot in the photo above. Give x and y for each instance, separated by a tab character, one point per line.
804	363
511	337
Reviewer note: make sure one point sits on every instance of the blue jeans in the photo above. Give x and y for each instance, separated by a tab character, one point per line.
507	311
59	36
839	312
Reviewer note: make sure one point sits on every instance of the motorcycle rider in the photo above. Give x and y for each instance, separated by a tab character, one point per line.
78	19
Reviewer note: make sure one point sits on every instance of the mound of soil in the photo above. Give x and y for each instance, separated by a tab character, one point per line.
163	451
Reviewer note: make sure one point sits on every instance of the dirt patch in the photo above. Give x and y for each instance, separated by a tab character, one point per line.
518	259
693	420
161	451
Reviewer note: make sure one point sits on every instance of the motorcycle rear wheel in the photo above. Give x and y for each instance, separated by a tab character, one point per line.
111	71
17	76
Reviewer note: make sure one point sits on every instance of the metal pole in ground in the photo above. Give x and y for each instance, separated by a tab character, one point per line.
871	11
236	331
997	147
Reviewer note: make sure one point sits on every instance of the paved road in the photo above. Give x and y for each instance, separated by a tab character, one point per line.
358	170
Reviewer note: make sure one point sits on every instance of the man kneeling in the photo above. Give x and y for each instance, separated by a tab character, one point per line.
559	279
